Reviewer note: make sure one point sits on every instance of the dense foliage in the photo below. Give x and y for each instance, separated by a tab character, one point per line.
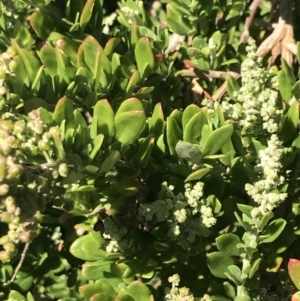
149	150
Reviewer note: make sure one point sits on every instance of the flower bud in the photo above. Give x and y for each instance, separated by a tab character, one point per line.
63	170
4	240
11	51
6	125
12	66
24	236
6	217
14	172
4	188
43	146
19	127
4	257
9	247
2	172
55	174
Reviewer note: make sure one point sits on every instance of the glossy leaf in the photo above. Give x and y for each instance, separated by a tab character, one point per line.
232	86
227	244
193	129
144	151
126	130
217	139
42	24
110	161
48	58
144	57
14	295
94	270
91	289
157	123
64	112
188	151
31	63
198	174
294	271
291	122
134	79
296	297
218	264
139	291
97	143
188	114
85	248
103	120
101	297
129	105
285	86
110	46
86	13
272	230
174	134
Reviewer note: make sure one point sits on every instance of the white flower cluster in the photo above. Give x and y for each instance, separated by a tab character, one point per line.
256	101
175	293
108	21
269	171
187	215
115	236
7	67
129	13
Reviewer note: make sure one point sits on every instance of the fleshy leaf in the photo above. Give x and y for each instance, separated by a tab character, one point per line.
129	105
157	123
144	57
86	13
64	111
216	140
188	151
126	130
227	244
294	271
174	134
218	264
103	120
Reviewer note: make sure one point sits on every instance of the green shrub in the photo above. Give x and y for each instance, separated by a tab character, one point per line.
145	153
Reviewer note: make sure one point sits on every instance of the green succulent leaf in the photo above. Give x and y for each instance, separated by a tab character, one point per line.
64	112
218	264
130	105
86	248
188	114
144	57
126	130
198	174
272	230
227	244
174	134
193	129
103	121
294	271
139	291
91	289
86	13
217	139
188	151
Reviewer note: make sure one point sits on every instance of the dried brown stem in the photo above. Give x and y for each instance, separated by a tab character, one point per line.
282	38
208	73
253	8
23	255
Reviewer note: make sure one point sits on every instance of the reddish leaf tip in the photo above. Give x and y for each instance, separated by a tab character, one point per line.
189	64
